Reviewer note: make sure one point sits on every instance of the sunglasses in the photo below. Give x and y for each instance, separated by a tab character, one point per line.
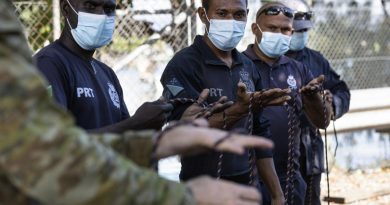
275	10
303	15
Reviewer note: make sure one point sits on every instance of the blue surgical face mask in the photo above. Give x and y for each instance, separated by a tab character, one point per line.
274	45
299	41
225	34
93	30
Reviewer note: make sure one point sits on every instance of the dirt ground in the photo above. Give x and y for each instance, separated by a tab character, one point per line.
358	184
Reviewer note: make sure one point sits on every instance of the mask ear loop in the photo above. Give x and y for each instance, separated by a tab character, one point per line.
260	31
205	13
70	26
72	7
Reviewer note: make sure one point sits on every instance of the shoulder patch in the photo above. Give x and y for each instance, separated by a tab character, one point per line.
174	86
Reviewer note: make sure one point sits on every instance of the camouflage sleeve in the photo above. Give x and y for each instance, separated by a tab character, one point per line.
46	157
134	145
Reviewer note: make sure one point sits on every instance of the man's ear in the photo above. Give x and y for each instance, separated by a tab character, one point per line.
64	8
254	28
202	14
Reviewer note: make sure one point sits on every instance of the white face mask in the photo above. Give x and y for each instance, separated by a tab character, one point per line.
93	30
299	40
274	45
225	34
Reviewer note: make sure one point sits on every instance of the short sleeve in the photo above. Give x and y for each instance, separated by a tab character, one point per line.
178	83
57	78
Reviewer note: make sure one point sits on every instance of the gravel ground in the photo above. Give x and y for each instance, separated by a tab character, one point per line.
344	183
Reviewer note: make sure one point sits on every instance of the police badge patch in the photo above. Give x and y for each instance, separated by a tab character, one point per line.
292	82
244	78
114	95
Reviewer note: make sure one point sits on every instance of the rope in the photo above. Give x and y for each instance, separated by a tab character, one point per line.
249	126
292	122
252	159
336	138
311	189
220	157
296	123
326	144
251	152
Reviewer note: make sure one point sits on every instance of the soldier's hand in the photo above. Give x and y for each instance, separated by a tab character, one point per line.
208	191
153	115
313	86
190	140
198	110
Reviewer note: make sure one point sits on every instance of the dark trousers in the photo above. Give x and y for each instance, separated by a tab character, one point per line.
298	192
313	196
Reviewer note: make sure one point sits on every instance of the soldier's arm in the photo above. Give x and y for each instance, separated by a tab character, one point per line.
45	156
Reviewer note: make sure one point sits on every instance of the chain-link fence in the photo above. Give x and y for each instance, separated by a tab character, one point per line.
36	16
354	38
356	41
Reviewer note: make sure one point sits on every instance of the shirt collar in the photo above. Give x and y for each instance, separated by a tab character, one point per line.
210	58
252	55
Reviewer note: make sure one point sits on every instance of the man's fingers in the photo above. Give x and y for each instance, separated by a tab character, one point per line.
201	122
244	202
203	96
278	101
241	91
221	107
275	93
222	100
321	79
249	194
256	142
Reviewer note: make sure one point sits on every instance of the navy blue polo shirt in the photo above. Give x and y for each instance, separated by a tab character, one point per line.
285	73
313	146
90	90
196	68
318	65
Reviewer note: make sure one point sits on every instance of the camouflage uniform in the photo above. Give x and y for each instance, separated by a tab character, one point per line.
45	159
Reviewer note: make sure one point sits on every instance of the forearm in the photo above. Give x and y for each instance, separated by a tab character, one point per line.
49	152
45	156
134	145
318	111
268	174
120	127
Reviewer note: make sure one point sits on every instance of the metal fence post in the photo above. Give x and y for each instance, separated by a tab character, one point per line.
56	19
